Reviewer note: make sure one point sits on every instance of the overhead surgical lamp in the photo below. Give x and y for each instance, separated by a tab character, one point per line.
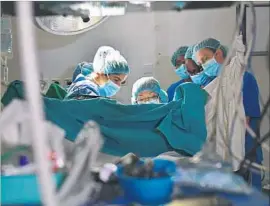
50	8
75	17
101	8
90	15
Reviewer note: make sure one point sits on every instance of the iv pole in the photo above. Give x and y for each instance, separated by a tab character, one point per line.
30	73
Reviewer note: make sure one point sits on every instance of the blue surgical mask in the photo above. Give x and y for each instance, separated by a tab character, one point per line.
182	72
109	89
200	78
211	68
206	80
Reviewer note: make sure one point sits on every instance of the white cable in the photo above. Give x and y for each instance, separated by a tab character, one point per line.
27	48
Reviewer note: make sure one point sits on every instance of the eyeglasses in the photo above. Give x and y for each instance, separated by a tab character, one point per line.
147	99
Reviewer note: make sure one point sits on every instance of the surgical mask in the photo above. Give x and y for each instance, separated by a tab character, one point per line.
200	78
182	72
211	67
109	89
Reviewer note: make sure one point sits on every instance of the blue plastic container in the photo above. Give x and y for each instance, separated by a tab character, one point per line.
149	191
23	189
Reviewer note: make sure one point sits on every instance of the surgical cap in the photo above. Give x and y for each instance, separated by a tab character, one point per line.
209	43
115	63
145	84
163	96
83	68
179	52
189	52
224	50
109	61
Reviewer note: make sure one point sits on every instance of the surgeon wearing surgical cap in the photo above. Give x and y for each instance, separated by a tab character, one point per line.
210	54
110	70
178	61
147	90
194	70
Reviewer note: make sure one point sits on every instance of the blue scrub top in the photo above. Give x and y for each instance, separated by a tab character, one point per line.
171	89
252	110
84	71
251	96
76	73
82	86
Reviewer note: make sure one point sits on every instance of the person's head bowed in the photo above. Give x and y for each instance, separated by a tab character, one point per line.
147	90
110	70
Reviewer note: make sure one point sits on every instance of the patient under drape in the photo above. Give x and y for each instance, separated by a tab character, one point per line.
146	130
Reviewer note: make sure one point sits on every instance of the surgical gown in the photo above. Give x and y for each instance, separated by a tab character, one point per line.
82	86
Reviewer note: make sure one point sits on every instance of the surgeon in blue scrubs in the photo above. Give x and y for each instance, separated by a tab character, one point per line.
211	54
177	60
252	110
102	79
194	70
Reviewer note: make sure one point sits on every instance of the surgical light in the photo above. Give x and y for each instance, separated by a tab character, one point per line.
101	8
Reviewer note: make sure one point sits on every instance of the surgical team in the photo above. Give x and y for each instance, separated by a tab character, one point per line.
199	63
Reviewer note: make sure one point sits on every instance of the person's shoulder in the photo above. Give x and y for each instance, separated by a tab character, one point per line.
249	75
173	85
79	77
172	88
